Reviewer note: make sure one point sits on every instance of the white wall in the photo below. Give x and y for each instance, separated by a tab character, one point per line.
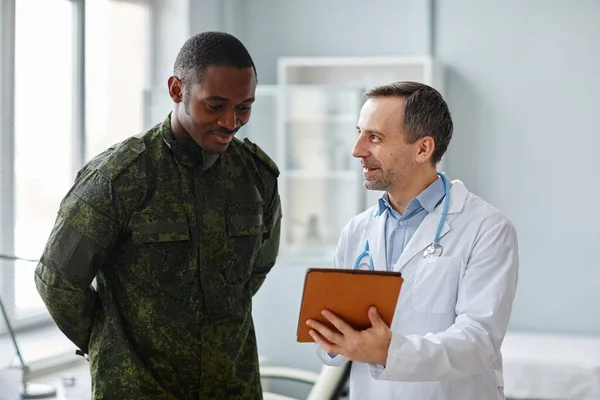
522	82
274	28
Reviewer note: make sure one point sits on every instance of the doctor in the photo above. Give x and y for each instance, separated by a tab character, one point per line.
457	254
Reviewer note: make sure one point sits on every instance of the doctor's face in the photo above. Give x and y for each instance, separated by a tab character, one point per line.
386	157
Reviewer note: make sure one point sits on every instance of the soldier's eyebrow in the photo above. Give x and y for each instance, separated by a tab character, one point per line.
225	100
216	98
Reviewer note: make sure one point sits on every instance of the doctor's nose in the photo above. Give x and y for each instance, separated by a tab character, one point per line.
360	150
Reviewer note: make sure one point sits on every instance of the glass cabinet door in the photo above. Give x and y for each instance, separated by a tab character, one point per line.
262	127
321	182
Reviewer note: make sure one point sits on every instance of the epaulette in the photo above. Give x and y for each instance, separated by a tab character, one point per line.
121	157
261	155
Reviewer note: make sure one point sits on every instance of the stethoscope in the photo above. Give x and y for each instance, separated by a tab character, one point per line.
435	249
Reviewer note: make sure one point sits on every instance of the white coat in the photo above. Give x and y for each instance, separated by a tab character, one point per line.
452	312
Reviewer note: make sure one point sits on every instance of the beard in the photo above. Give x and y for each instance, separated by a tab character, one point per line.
382	183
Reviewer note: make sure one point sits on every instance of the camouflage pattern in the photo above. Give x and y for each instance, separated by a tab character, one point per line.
178	243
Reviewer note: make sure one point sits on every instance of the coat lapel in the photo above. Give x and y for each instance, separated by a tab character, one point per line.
376	239
423	237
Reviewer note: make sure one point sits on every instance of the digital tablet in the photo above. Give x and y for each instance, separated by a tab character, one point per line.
348	294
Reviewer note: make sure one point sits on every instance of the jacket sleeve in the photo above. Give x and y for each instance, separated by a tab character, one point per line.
485	298
84	233
270	246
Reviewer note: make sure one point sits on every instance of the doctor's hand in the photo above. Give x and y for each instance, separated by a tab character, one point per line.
369	346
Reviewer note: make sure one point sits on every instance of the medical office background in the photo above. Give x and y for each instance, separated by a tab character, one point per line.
521	78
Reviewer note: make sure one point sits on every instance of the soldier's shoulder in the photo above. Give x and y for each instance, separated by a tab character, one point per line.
126	157
119	157
262	158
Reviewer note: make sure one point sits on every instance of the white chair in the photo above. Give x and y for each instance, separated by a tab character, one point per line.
328	384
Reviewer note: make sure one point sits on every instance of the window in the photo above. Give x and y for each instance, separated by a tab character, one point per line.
116	62
43	151
40	139
6	57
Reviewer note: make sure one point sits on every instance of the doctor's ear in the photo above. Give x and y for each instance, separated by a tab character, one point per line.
425	148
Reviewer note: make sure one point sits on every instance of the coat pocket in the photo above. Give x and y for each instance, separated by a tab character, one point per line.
435	286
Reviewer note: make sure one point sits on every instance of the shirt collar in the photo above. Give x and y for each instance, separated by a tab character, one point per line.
432	195
187	152
428	198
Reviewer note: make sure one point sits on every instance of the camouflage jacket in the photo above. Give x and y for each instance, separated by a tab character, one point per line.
178	244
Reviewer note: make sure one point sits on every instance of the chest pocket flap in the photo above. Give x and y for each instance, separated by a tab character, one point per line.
245	220
245	211
157	228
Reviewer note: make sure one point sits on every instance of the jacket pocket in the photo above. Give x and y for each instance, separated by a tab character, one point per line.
163	242
245	227
159	228
435	285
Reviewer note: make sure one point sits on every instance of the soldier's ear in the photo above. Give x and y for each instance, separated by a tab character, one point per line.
175	89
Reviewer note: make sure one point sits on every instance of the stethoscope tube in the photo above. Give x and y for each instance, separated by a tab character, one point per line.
434	247
364	254
438	232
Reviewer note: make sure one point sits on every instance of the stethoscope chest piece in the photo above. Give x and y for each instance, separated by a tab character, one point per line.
433	250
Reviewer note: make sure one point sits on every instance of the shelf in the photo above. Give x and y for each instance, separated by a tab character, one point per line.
340	174
359	72
337	119
361	61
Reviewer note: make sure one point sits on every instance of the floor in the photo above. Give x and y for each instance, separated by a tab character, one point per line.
78	375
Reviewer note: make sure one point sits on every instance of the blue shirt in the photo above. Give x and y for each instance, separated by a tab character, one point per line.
400	228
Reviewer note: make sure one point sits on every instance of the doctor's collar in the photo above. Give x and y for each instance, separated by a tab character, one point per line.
384	203
433	195
429	198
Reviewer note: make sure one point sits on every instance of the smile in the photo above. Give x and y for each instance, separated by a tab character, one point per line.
369	171
223	139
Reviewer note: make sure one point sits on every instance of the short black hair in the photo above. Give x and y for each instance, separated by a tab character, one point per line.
425	113
207	49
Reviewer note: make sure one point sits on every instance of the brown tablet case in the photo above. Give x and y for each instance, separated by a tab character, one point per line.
348	294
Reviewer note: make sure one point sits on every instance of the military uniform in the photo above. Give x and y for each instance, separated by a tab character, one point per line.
178	241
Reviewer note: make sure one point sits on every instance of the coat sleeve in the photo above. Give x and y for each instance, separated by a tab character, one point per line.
484	304
338	262
85	230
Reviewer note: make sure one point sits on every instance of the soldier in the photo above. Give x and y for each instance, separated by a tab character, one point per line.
179	227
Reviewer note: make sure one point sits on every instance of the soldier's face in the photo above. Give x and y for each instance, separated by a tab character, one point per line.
216	108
